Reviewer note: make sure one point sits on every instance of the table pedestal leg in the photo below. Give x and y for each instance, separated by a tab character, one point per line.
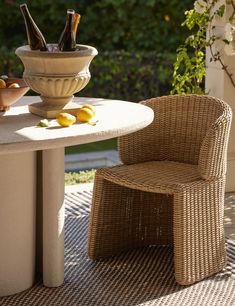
53	216
17	222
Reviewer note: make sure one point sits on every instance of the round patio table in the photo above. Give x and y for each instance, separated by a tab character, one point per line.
32	185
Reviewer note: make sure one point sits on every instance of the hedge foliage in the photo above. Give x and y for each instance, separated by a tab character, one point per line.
135	40
130	76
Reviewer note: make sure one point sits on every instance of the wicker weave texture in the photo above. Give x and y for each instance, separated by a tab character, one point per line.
170	188
179	128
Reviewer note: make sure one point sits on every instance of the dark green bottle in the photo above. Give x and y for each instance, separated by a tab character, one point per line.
67	40
36	40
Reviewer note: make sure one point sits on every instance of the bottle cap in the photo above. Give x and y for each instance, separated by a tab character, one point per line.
70	11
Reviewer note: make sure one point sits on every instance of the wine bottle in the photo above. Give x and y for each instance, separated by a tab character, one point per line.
36	40
76	21
67	40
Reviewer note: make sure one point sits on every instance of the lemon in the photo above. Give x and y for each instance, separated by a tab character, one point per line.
65	119
90	107
14	85
85	114
2	84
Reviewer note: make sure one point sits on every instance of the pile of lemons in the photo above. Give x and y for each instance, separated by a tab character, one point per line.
5	84
84	114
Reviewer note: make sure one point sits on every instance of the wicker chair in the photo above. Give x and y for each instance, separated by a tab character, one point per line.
169	189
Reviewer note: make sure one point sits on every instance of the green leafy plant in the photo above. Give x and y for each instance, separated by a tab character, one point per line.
189	68
81	177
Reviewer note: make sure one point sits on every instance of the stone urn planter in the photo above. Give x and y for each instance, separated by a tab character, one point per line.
56	76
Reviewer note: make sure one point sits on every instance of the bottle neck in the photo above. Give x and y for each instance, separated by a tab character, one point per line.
70	16
76	21
25	11
36	40
67	41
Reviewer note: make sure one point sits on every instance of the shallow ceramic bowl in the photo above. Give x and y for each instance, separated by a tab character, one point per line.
9	96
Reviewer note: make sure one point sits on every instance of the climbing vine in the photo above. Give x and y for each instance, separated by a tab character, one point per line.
190	66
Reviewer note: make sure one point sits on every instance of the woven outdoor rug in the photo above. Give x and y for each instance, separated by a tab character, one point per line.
140	277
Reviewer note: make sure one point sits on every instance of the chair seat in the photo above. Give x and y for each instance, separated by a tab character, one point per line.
153	176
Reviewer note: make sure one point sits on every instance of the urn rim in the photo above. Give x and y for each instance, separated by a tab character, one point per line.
83	51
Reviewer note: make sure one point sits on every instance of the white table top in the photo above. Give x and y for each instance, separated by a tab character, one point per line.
19	131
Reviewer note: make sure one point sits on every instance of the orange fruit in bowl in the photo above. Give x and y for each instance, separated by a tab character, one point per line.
14	85
65	119
2	84
9	96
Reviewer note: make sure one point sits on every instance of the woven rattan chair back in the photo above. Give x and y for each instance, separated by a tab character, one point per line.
177	131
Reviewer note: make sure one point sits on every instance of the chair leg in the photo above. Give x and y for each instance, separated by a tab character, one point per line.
124	218
199	244
108	223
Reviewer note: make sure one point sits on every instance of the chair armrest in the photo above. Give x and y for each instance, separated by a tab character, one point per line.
212	161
